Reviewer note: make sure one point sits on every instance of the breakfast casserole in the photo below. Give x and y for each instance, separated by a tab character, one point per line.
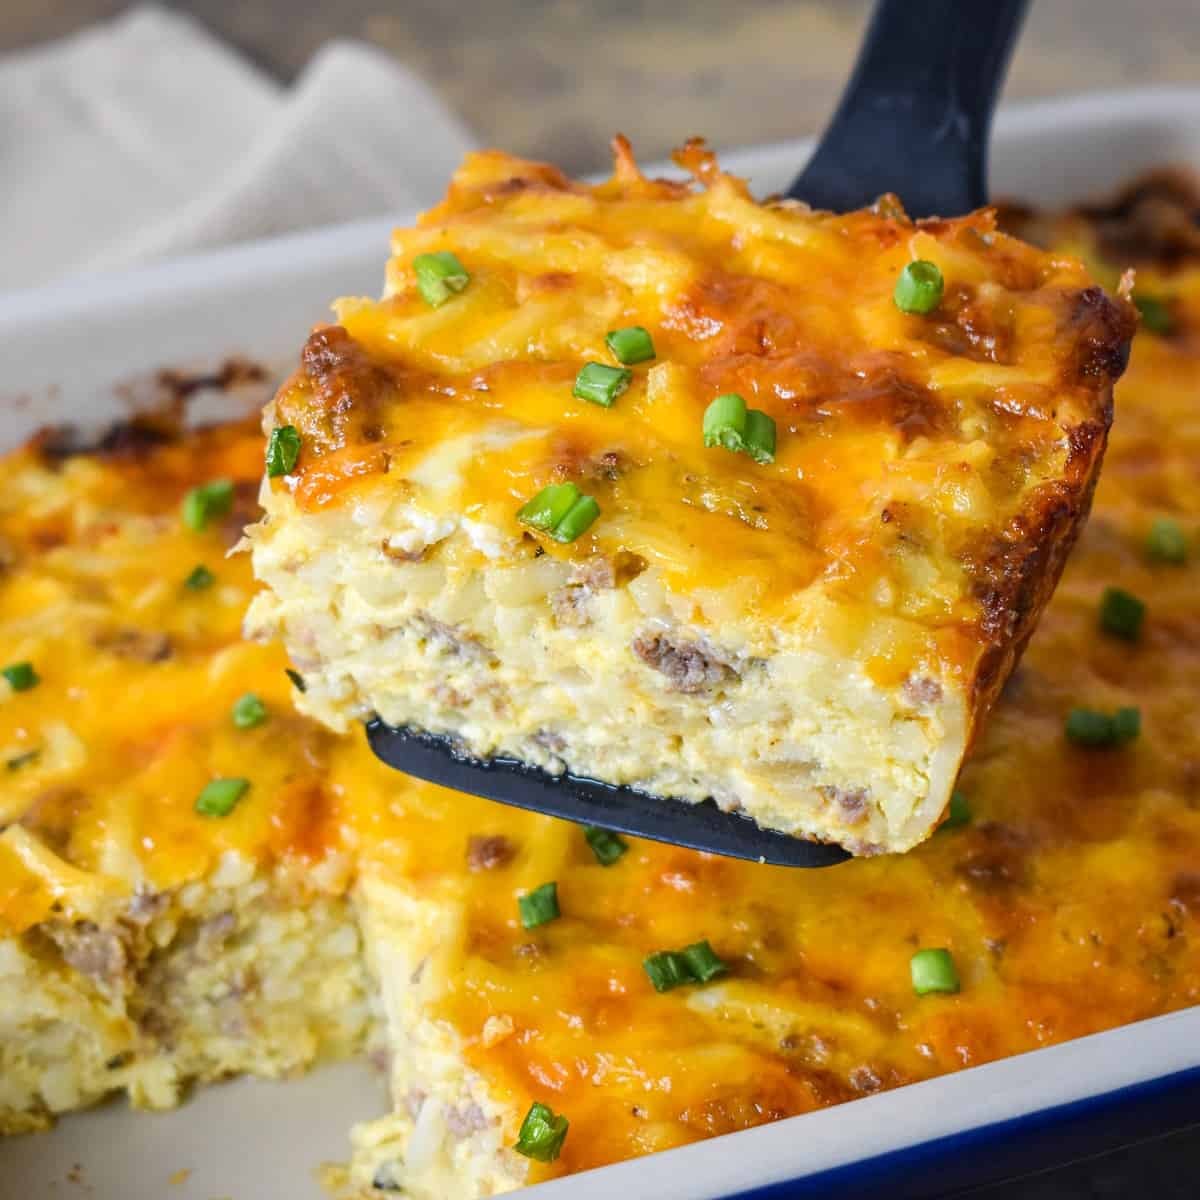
658	485
195	881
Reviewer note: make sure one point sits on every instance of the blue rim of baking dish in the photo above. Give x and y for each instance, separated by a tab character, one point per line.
1007	1150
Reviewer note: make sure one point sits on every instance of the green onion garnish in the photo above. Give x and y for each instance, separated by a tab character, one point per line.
542	1133
630	345
296	678
549	506
702	961
1156	314
22	760
1121	614
697	963
728	423
439	276
201	504
21	676
248	711
283	448
601	384
933	971
578	520
1127	725
606	845
560	510
959	812
1166	542
219	796
667	969
725	422
539	906
760	436
200	578
1088	727
919	287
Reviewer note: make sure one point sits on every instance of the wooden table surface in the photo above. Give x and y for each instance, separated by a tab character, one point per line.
555	78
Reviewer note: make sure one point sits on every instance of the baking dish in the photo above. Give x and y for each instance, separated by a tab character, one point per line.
71	352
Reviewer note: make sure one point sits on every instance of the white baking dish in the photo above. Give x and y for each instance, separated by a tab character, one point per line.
67	351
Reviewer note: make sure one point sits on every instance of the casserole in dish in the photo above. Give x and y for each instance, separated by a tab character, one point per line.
1016	859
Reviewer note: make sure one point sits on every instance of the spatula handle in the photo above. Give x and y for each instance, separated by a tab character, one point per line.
915	116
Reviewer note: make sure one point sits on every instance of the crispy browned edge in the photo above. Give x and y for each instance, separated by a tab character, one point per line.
1016	574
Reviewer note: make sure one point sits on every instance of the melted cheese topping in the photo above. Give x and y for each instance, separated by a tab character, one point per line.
1071	902
907	445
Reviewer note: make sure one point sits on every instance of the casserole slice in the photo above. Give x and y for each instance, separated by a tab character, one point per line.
656	484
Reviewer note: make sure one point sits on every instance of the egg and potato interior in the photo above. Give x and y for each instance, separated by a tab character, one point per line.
196	880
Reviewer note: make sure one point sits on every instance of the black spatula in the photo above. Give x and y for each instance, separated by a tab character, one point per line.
914	120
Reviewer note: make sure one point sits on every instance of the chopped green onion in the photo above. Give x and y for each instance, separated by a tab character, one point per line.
1166	542
959	812
1127	725
21	676
919	287
1121	614
219	796
283	448
579	519
697	963
630	345
667	969
1156	314
248	711
296	678
1088	727
728	423
601	384
725	422
933	971
606	845
200	578
539	906
201	504
439	276
560	510
22	760
542	1133
549	506
702	961
760	436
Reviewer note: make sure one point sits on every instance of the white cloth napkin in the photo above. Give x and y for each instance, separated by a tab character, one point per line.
145	137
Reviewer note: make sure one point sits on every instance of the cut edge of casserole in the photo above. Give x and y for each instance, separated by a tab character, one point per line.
450	1131
246	972
252	972
813	642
